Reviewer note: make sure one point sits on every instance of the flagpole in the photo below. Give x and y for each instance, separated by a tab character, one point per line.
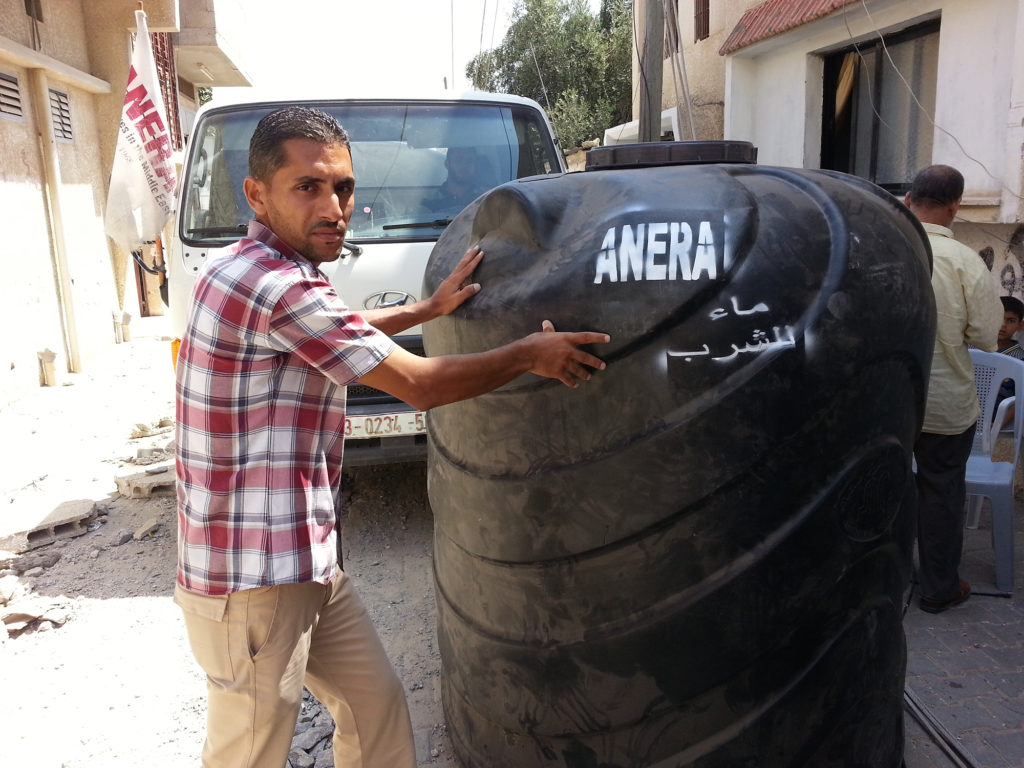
141	194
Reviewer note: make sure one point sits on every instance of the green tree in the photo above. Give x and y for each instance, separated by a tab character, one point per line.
577	65
617	29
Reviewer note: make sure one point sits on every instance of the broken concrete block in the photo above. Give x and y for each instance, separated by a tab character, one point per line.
150	526
31	528
146	484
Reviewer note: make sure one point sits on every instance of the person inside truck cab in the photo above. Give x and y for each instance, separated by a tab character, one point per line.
268	351
467	180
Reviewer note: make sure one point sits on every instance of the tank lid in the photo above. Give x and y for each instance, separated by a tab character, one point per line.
670	153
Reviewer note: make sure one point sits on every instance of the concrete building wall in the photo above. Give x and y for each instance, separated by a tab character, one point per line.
83	184
59	292
59	33
771	93
65	279
29	311
704	67
786	70
773	98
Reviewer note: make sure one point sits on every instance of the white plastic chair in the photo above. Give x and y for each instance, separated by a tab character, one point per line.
994	479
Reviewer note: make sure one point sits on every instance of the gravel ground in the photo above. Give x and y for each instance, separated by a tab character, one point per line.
105	677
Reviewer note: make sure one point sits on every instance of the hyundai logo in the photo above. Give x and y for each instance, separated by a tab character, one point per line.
385	299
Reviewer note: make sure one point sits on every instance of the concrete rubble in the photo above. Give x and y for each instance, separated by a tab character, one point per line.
155	480
36	528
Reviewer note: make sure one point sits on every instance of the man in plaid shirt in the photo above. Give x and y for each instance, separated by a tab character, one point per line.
261	378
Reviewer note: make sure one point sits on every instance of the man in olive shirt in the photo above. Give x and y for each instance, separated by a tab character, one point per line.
968	312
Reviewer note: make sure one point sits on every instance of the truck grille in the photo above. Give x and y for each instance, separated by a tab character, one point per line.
360	394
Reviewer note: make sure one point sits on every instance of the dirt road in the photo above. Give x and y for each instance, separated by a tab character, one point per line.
106	679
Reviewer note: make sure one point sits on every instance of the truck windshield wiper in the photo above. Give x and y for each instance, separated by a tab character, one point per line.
234	229
434	224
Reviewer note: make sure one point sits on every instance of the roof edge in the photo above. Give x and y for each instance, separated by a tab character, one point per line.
773	17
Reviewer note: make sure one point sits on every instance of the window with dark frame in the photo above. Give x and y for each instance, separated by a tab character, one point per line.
879	99
10	96
701	20
60	113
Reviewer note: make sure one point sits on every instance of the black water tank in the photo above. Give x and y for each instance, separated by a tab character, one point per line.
700	557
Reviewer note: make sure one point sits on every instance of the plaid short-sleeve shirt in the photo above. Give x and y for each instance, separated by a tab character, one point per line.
268	351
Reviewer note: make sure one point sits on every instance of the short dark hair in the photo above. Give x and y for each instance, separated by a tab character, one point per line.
1014	305
266	147
936	186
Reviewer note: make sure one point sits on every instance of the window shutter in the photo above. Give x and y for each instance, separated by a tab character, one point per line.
60	112
701	20
10	96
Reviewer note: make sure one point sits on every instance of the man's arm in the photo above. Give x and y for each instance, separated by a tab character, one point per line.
449	295
427	382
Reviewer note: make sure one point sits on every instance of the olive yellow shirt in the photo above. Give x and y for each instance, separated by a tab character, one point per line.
968	311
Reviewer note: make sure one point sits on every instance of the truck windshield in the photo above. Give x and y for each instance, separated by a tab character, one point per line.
416	165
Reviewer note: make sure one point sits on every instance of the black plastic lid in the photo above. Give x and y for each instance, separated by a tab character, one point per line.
670	153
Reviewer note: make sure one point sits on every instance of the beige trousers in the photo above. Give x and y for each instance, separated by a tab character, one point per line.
260	646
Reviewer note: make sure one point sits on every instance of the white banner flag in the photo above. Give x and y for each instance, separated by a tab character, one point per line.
142	180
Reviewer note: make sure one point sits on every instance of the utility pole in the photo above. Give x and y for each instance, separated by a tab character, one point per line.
651	60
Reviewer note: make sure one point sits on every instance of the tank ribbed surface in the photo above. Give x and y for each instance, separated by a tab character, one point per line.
700	557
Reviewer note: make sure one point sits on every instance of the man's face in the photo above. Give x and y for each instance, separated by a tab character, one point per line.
1011	324
308	201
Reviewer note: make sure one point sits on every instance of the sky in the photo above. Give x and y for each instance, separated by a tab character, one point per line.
371	46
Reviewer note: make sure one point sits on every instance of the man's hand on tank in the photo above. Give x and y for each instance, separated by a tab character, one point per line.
559	356
455	289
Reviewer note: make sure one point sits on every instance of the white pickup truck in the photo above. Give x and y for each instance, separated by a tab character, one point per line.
401	151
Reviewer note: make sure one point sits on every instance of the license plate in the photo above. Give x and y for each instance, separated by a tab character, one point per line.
385	425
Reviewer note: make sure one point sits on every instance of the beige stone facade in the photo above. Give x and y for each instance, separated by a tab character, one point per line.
704	67
65	280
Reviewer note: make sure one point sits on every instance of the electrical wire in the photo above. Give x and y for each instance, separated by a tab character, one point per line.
483	19
540	77
156	269
870	95
494	23
946	741
980	227
679	68
643	76
924	111
910	90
